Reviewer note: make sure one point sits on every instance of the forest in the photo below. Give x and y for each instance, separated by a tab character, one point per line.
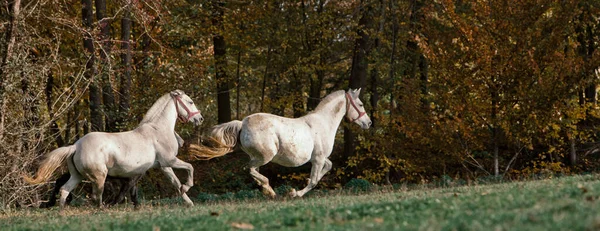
455	89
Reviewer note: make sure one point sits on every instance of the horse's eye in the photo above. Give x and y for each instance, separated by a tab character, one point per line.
360	105
192	102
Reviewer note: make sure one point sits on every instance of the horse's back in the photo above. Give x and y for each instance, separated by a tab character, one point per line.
286	141
116	153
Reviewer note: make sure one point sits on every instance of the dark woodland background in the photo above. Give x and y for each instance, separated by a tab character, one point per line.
456	89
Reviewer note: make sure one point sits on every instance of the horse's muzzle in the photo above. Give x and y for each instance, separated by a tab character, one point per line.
198	121
365	124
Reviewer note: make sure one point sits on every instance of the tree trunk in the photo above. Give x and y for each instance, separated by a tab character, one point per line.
316	82
277	108
392	64
31	117
70	122
54	130
264	83
358	73
590	94
14	9
125	88
419	65
237	85
375	72
108	97
143	66
494	127
572	151
315	91
298	100
223	101
590	91
90	72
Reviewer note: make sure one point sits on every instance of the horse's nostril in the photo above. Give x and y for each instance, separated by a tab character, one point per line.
201	119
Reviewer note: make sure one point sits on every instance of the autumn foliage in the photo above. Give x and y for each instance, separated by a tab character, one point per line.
458	89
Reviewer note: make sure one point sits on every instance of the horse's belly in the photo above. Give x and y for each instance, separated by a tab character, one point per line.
293	157
129	170
127	167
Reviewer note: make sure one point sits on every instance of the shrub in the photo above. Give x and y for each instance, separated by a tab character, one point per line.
206	197
358	185
283	189
248	194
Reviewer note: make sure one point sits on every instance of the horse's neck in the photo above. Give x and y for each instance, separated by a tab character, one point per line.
165	120
332	114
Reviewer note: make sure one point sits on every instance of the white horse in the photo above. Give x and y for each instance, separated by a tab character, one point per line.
127	154
288	142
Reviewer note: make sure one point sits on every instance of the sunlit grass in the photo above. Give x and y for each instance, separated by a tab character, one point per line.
567	203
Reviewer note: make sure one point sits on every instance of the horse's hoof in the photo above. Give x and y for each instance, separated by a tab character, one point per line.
269	192
293	193
184	189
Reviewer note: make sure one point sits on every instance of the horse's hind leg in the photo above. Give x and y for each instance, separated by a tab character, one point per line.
263	181
68	187
98	179
57	185
74	179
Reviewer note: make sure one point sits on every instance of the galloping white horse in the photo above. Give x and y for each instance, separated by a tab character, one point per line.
288	142
127	154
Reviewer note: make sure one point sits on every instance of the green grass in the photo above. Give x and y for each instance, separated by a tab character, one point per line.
566	203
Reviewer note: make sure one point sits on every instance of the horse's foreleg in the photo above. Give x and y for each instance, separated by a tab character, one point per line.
180	164
326	167
180	140
173	178
315	176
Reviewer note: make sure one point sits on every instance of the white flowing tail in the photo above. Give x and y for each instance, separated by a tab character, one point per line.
53	160
224	138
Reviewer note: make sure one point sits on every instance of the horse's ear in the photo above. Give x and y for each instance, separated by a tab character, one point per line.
355	92
176	92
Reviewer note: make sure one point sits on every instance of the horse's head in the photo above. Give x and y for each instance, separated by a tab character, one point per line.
186	110
355	110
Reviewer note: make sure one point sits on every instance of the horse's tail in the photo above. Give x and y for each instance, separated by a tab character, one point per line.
224	139
53	160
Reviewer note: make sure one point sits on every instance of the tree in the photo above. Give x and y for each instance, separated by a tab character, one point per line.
220	51
14	10
90	73
358	72
125	89
108	98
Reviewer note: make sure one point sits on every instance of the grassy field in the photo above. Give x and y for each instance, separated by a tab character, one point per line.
567	203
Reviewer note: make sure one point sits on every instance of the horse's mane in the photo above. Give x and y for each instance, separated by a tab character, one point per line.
157	108
328	99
